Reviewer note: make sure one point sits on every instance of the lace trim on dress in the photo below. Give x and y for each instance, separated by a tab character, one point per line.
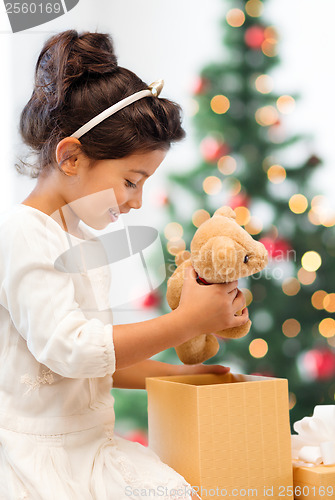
131	477
46	378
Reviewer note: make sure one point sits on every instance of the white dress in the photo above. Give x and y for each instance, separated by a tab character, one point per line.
56	364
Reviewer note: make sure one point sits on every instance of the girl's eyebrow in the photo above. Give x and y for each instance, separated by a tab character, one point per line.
140	172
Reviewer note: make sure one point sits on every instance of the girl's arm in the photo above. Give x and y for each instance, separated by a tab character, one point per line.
133	377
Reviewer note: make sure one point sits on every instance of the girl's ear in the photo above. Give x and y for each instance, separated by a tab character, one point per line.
66	155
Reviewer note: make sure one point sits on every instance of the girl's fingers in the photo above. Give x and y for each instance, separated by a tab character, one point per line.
239	301
230	287
243	318
218	369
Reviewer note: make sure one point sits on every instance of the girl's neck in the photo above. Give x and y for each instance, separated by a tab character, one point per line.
61	213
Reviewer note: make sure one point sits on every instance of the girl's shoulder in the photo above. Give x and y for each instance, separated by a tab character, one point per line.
18	212
22	217
25	226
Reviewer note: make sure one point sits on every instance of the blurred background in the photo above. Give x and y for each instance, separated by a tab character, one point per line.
255	80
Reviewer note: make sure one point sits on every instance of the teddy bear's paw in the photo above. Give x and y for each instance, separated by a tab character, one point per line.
236	332
175	284
198	349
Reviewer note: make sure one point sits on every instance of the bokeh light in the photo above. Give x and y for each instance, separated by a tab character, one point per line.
292	400
269	46
306	277
317	299
193	107
212	185
321	212
290	286
235	17
235	186
173	230
313	217
329	302
291	327
258	348
311	261
199	217
327	327
176	246
298	203
271	32
227	165
276	174
264	84
318	200
266	116
328	220
242	215
285	104
220	104
254	8
254	226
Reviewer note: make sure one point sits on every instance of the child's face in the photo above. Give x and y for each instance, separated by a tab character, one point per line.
112	187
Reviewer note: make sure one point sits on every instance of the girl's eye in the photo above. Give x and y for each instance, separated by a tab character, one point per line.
130	184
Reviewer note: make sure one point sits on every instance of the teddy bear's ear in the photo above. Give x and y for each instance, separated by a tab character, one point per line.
226	212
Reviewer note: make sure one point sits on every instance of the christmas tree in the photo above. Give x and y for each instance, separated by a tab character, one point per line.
249	162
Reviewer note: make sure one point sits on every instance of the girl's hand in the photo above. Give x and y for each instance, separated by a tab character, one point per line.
211	308
199	369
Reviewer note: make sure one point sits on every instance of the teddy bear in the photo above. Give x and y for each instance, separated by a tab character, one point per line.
221	252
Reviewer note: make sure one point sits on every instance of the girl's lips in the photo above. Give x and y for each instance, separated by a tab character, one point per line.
113	215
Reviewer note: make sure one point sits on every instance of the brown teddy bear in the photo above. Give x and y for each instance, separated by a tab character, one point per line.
221	252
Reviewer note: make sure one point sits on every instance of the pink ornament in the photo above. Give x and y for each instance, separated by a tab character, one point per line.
240	200
319	364
152	299
254	37
212	149
276	248
200	86
137	436
160	198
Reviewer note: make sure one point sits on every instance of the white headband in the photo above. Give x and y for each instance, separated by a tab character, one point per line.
154	89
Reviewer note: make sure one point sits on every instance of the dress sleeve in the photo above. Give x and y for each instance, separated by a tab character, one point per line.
41	302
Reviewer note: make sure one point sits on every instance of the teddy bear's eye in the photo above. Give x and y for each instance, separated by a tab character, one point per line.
246	258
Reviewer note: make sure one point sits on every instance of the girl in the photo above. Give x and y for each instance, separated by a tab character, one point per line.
59	352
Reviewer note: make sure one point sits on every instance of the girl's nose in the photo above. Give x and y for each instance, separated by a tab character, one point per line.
136	201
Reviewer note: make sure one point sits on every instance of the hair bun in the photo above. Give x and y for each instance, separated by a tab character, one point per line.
68	57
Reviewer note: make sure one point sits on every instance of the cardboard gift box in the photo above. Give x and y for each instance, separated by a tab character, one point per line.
314	483
228	435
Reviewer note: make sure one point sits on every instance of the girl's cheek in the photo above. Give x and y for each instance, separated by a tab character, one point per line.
121	196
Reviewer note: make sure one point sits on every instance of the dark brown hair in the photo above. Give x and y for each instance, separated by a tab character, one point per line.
76	78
